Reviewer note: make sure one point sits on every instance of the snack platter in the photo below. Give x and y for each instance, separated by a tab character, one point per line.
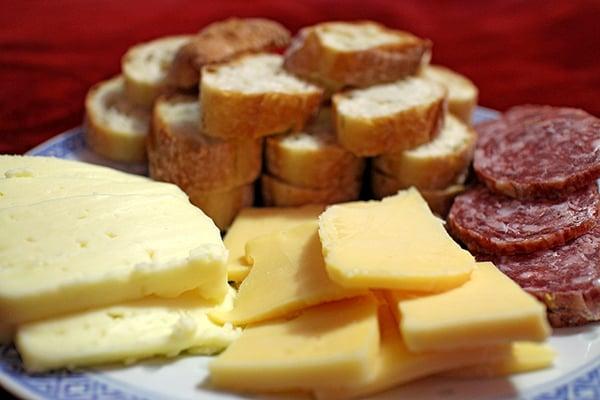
246	213
575	374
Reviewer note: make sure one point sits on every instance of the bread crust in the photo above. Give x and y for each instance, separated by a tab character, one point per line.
222	41
231	114
196	162
392	133
113	144
222	205
433	172
310	58
281	194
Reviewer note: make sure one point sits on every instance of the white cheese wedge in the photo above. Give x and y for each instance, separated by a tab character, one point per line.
78	252
126	333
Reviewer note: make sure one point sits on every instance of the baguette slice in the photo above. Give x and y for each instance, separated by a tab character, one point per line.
145	68
178	153
115	127
253	96
389	118
439	200
222	41
462	93
223	205
362	53
281	194
434	165
312	158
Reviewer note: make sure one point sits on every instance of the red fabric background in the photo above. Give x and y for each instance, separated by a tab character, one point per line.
51	52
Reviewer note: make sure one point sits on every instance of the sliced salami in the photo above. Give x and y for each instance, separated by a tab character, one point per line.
496	224
538	151
566	279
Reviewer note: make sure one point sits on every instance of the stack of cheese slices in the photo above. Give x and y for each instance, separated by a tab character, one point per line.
367	296
101	266
342	92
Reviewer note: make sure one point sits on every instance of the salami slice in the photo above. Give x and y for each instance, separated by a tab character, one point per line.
538	151
492	223
566	279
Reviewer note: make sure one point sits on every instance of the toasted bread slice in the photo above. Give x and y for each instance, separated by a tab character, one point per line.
253	96
434	165
278	193
223	40
115	127
389	118
145	68
361	53
439	200
462	93
223	205
312	158
179	153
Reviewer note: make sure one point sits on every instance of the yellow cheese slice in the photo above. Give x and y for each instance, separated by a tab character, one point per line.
6	333
488	309
525	357
289	267
45	167
396	365
326	345
254	222
395	243
126	333
74	253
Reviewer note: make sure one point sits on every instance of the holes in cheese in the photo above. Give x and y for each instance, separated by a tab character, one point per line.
329	344
395	243
486	310
525	357
254	222
395	364
289	266
128	332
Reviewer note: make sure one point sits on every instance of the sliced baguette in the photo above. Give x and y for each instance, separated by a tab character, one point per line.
221	41
312	158
223	205
462	93
439	200
389	118
434	165
281	194
115	127
361	53
180	154
253	96
145	68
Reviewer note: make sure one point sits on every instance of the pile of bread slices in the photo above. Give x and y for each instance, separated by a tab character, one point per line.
202	109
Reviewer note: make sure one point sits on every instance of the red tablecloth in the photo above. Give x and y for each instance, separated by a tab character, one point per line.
51	52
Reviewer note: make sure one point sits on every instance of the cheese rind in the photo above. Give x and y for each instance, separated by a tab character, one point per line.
289	267
326	345
395	364
254	222
396	243
488	309
525	357
78	252
126	333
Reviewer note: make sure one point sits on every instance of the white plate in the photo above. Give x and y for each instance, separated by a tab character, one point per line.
576	374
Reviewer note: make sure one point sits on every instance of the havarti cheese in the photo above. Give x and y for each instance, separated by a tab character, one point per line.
254	222
326	345
288	274
126	333
396	243
73	253
488	309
